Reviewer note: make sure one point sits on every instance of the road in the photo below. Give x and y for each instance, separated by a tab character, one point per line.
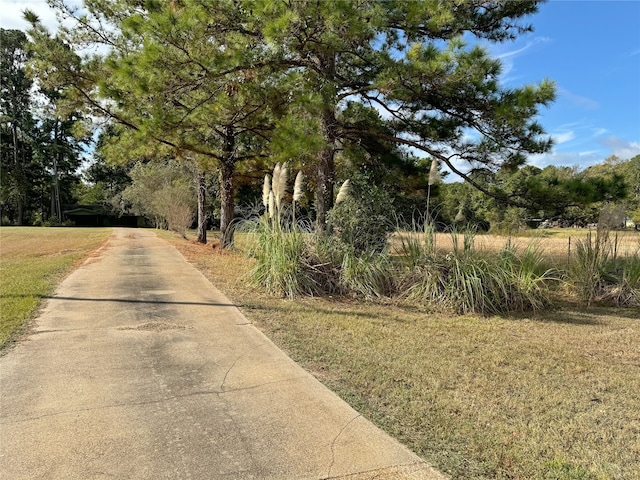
138	368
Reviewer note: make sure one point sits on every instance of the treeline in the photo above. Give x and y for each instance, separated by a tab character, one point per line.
607	193
384	91
40	147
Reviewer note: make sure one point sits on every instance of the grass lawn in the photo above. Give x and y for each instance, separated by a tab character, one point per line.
550	396
33	260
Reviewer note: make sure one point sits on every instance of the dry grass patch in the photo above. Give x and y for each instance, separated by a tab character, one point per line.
33	261
552	396
555	243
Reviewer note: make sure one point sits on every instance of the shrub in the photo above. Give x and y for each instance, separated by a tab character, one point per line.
362	220
176	204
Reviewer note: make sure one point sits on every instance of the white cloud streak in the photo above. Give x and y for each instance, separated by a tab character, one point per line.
559	138
578	100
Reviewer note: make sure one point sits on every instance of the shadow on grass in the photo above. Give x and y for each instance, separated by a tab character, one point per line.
580	315
306	309
567	314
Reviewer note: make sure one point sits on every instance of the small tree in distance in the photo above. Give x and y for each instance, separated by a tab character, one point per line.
164	192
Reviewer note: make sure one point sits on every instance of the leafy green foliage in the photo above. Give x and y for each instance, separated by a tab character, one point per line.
40	144
553	193
164	192
363	220
207	78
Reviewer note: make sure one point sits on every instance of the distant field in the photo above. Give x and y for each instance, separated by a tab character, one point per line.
556	243
553	395
32	262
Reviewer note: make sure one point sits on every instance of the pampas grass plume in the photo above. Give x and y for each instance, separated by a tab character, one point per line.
275	180
343	192
297	186
272	205
266	189
279	183
434	173
282	185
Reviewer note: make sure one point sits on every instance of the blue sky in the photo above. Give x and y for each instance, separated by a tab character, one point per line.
590	48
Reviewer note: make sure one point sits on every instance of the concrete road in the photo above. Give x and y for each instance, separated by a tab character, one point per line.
138	368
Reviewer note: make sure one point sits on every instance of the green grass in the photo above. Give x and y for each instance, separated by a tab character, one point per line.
553	395
33	260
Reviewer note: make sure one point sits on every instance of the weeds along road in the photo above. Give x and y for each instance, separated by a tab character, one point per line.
138	368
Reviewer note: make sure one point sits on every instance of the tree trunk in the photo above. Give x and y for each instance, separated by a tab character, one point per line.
325	173
56	208
201	185
17	175
227	168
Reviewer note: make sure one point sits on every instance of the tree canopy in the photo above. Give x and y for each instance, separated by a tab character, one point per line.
301	81
40	147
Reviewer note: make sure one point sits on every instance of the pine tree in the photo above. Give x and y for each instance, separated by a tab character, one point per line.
226	80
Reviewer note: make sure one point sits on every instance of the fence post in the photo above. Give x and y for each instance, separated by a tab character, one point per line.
569	252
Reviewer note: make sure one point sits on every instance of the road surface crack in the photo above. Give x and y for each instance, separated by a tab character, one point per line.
335	440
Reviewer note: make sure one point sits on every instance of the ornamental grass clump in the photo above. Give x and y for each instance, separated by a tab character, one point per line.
279	255
626	290
598	273
369	274
590	269
279	247
529	276
417	242
459	281
467	280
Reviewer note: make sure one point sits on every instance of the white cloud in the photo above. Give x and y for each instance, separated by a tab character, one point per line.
612	145
507	57
563	137
12	14
581	160
584	102
620	147
531	43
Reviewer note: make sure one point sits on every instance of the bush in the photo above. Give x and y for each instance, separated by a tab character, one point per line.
363	220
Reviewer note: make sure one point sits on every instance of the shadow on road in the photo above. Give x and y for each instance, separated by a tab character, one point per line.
130	300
